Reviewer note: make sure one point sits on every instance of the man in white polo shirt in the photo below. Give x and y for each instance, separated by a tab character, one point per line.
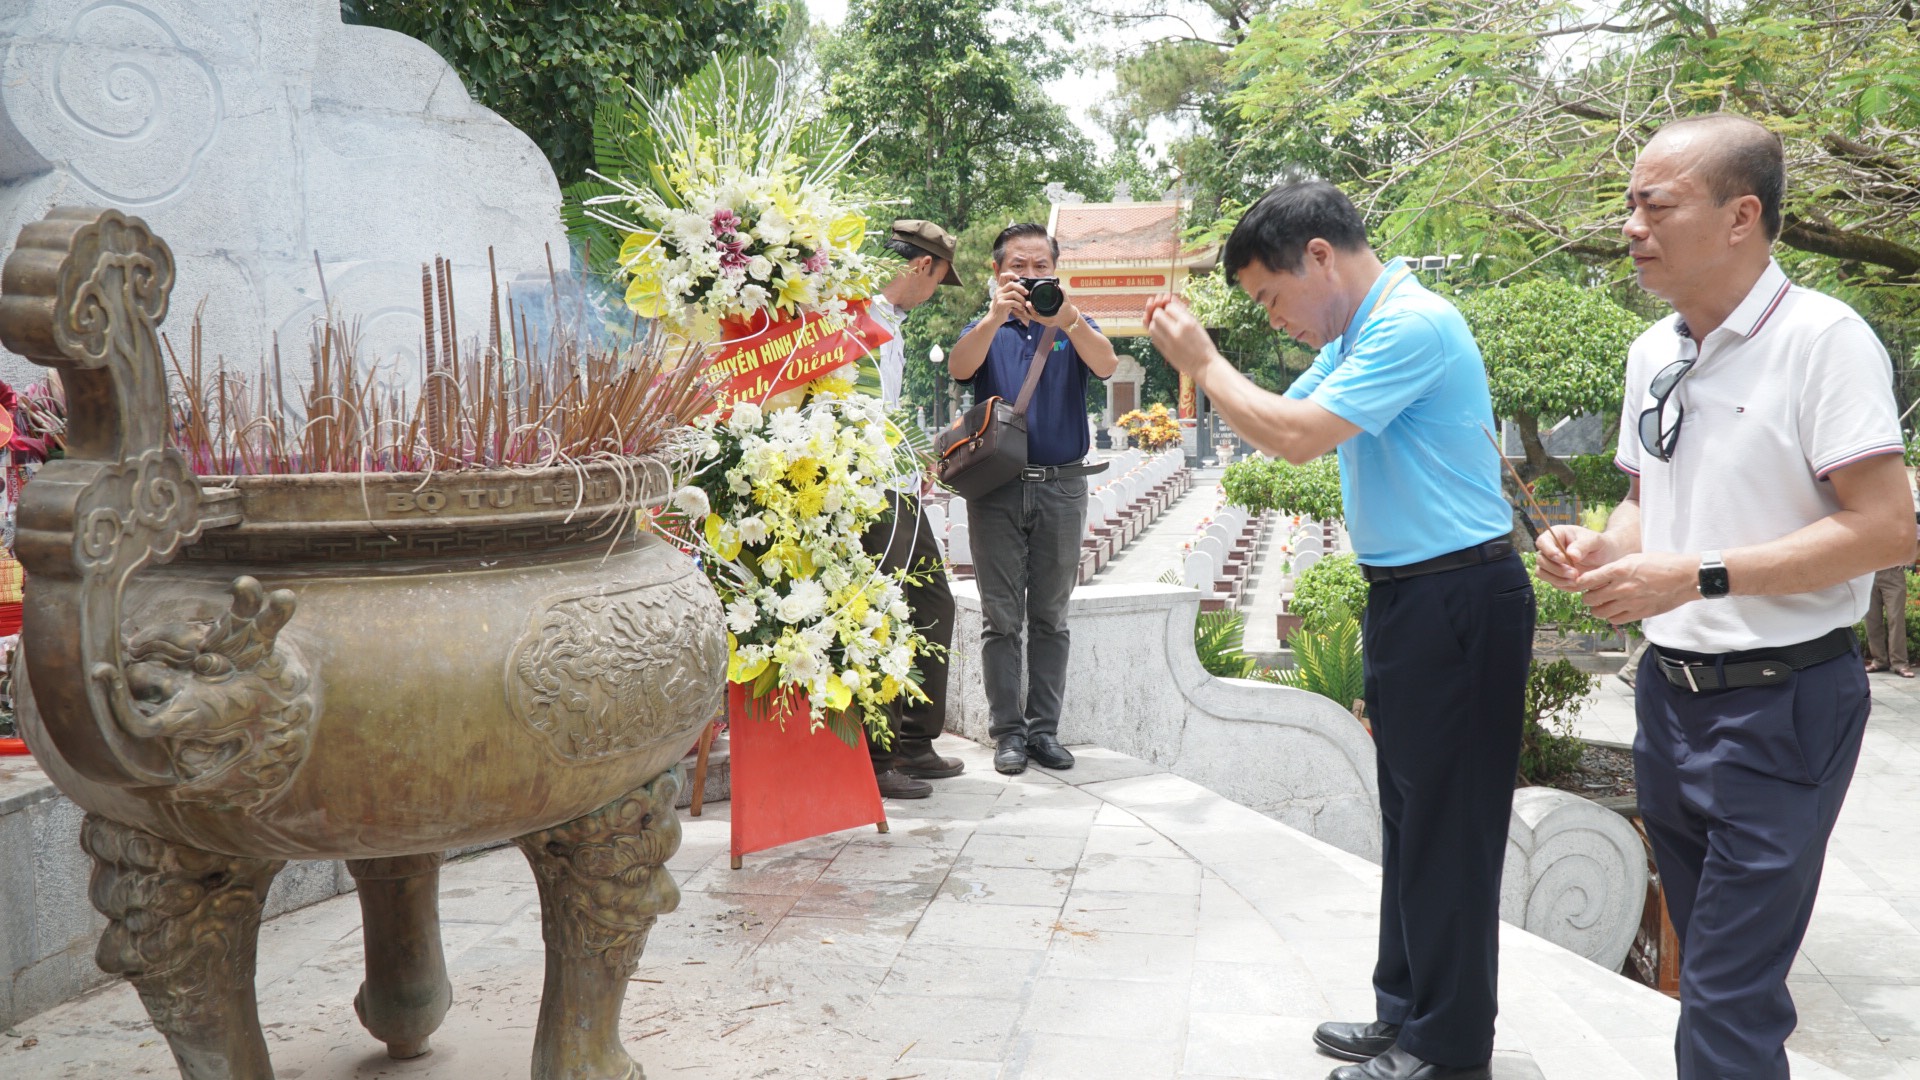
1760	431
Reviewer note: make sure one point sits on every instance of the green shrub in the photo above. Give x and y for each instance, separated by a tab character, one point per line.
1556	695
1596	479
1326	661
1259	484
1913	616
1329	590
1564	611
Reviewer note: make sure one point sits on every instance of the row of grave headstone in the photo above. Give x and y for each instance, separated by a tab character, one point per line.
1221	561
1136	487
1141	486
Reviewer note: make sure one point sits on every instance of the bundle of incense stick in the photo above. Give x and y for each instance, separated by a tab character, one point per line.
481	404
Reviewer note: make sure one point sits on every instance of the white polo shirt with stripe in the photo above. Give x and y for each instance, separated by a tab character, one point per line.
1791	387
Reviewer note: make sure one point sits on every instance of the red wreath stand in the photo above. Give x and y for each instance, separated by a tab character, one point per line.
789	783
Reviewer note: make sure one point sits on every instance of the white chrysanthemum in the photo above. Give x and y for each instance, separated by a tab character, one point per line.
742	616
753	530
787	425
692	502
773	227
806	600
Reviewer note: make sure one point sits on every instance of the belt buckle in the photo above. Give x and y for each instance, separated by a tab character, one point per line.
1688	668
1033	472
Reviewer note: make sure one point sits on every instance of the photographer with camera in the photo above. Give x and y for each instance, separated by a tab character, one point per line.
1026	533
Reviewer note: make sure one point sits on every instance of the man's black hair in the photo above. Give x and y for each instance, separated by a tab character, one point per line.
1017	230
1276	230
1748	160
907	251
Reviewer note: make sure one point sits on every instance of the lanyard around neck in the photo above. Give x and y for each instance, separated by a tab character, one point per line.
1352	337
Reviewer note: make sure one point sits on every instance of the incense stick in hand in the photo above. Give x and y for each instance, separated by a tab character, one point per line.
1525	490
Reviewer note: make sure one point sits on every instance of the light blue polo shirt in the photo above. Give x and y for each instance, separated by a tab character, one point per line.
1421	479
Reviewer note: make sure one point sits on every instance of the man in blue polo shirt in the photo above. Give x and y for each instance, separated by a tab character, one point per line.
1400	389
1026	534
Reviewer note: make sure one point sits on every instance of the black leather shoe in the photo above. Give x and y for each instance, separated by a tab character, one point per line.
1397	1064
1011	756
895	784
922	762
1045	750
1356	1042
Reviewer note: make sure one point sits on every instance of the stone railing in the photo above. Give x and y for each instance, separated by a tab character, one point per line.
1575	872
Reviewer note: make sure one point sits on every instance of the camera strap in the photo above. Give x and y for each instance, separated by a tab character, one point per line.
1034	367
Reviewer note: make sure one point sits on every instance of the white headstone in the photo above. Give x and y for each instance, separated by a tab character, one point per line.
251	134
1197	572
959	544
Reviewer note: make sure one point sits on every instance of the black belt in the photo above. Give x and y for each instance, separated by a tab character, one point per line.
1061	472
1752	667
1491	551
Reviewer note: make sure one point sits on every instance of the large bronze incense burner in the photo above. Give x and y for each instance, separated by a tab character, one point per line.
227	674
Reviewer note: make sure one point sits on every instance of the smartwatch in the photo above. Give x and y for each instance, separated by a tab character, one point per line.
1713	575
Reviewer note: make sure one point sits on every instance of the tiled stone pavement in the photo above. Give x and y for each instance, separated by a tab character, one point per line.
1126	926
1856	981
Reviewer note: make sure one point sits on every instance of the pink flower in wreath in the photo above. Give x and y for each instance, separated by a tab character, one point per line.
725	221
815	263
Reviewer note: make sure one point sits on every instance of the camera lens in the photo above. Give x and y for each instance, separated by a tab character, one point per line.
1045	296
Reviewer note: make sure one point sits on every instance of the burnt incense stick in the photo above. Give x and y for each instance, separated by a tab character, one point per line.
1525	490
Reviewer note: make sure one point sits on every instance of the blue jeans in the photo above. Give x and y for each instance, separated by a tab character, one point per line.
1026	558
1739	790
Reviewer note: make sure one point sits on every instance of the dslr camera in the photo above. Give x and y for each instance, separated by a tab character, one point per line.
1044	294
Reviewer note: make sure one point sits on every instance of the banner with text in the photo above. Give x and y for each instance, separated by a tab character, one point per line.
754	363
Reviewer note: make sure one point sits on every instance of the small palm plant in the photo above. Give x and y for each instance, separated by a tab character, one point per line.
1326	661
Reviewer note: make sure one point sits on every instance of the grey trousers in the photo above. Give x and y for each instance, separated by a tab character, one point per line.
1026	559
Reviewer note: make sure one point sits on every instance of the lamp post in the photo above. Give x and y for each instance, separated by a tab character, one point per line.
938	357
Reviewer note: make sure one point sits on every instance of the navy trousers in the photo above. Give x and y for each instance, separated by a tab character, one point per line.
1446	659
1739	790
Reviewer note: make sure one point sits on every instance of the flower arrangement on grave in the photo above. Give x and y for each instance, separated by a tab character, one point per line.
1155	428
737	225
782	498
732	206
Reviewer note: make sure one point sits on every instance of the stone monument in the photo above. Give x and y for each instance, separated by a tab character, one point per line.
1123	388
254	134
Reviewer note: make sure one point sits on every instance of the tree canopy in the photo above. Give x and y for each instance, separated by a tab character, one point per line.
1518	120
545	64
1552	350
950	92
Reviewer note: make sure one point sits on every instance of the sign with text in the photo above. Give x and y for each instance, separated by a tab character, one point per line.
754	363
1129	282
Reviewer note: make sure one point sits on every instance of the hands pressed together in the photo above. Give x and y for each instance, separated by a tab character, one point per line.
1178	335
1620	588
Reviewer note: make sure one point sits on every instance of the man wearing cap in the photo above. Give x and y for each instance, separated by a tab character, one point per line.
1760	432
903	539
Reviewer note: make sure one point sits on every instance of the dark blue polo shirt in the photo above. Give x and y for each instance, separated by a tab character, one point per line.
1057	415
